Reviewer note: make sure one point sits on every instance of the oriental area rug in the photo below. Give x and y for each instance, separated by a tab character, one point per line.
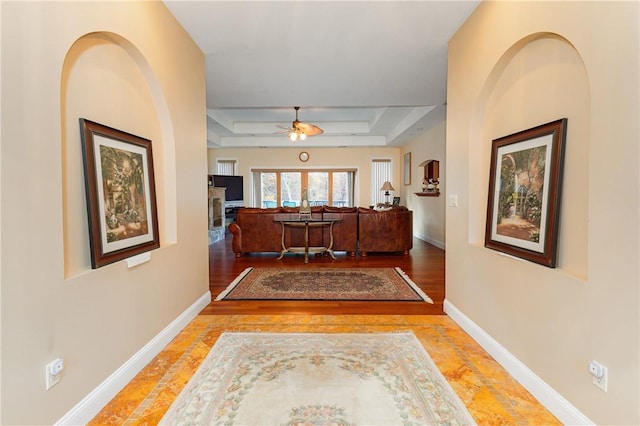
370	284
317	379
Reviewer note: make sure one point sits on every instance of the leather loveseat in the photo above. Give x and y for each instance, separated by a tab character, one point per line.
257	230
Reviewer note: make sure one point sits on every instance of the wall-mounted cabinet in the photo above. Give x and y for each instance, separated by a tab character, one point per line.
432	170
431	179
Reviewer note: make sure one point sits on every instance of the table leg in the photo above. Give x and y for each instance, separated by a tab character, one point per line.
306	242
330	248
284	248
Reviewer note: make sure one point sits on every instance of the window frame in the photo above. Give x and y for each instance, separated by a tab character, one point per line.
304	181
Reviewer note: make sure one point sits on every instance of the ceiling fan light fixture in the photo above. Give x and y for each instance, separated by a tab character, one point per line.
302	130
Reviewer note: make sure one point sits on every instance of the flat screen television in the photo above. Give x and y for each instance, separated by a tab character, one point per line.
234	185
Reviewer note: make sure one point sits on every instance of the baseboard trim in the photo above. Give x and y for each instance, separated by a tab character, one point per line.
436	243
548	397
91	405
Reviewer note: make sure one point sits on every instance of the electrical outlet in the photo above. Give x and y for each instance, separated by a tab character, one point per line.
52	372
600	375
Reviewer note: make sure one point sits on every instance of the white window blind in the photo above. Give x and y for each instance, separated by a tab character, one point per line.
380	172
226	167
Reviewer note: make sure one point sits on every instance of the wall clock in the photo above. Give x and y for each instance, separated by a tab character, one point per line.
304	156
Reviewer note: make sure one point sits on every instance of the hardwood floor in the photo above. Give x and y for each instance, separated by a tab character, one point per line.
424	265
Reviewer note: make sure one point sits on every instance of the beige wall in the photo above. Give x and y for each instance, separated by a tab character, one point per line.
512	66
428	212
128	65
359	158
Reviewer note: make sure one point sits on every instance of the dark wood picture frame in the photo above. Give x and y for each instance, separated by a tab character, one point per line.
525	183
120	193
396	201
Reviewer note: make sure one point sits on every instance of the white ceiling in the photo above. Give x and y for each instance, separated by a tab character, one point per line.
369	73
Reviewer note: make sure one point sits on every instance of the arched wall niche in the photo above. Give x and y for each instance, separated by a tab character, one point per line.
106	79
539	79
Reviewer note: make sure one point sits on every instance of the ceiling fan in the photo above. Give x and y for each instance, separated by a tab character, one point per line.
301	130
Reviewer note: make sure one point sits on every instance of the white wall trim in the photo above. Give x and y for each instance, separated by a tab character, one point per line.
429	240
548	397
91	404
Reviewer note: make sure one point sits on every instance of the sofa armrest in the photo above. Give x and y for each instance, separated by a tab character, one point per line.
236	244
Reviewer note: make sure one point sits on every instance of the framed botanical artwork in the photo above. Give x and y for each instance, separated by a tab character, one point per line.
120	193
525	185
407	168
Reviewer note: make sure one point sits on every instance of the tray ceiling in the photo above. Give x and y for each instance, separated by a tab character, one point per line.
368	73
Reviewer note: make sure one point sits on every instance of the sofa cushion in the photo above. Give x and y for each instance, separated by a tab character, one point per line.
332	209
258	210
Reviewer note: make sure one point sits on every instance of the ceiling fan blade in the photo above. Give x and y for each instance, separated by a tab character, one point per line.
285	129
299	127
310	129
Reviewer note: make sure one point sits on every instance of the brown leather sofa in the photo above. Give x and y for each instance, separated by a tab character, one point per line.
257	230
385	231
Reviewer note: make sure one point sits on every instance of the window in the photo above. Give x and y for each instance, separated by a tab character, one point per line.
380	173
268	194
290	188
226	167
318	188
342	187
284	187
